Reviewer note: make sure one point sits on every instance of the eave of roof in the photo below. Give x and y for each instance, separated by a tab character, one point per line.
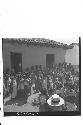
72	44
37	42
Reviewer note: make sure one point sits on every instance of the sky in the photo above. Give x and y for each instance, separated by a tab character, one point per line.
50	19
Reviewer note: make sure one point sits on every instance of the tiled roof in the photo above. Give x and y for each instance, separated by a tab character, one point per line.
37	42
72	44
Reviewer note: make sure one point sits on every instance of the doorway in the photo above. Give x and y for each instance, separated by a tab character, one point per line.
49	60
16	62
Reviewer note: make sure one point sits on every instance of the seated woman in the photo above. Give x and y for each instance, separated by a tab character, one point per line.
33	99
43	96
43	102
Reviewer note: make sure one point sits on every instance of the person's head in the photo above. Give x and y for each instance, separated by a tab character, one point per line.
43	92
57	79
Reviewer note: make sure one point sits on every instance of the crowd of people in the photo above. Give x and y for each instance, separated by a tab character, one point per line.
60	78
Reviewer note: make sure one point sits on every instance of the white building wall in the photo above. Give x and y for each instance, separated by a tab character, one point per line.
31	55
72	55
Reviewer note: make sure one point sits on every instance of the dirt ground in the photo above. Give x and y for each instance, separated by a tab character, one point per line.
19	105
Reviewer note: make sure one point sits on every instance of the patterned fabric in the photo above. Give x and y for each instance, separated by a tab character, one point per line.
70	106
42	99
33	98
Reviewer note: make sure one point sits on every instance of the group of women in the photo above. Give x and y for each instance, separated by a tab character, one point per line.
60	78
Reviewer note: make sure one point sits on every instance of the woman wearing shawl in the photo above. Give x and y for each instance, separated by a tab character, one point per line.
14	93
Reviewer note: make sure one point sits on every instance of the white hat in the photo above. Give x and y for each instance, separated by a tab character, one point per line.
55	96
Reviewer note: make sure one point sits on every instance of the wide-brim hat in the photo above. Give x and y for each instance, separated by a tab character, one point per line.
49	101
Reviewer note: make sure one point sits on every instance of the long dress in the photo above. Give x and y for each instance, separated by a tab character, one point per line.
32	89
14	93
45	84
